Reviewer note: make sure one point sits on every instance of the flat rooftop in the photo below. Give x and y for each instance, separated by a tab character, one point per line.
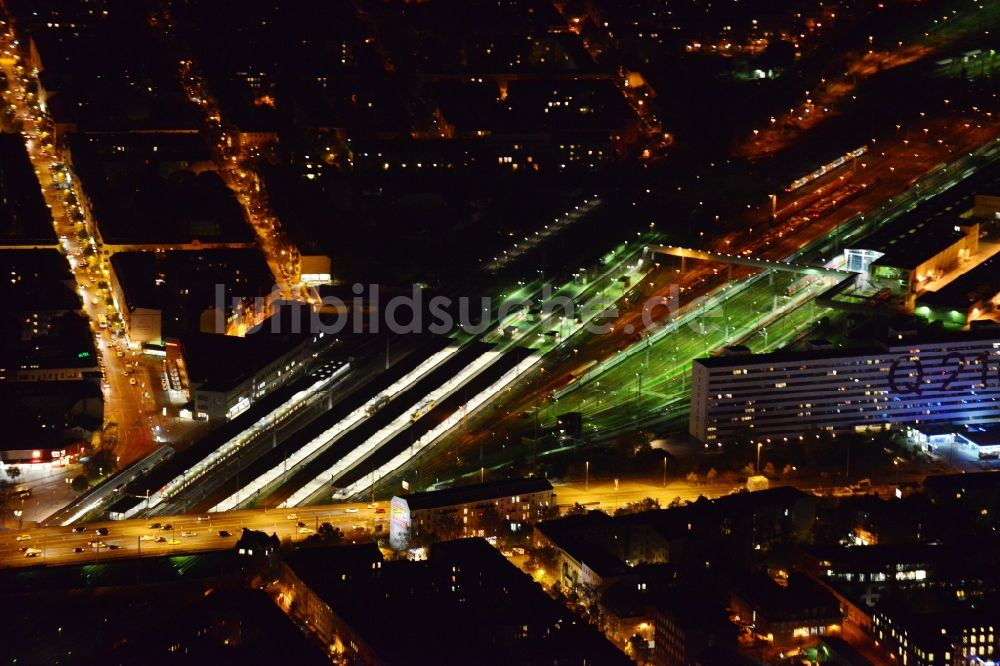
158	189
221	362
930	335
465	586
24	217
36	281
979	284
182	283
111	75
911	240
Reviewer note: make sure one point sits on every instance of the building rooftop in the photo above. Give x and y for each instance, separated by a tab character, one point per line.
183	283
65	342
24	217
800	598
224	626
979	284
37	281
109	75
884	342
49	414
156	189
216	362
954	483
871	558
467	589
479	492
908	246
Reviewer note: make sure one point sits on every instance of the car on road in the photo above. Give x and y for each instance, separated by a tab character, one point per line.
154	526
167	527
351	510
173	542
305	530
300	524
114	546
32	552
147	537
132	381
292	516
204	518
79	549
79	529
97	544
24	537
101	531
224	533
160	539
186	533
518	550
381	509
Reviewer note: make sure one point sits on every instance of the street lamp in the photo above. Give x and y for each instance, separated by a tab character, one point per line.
586	475
18	514
760	445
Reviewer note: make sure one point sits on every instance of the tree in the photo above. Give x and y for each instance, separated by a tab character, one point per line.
769	470
711	474
692	477
645	504
492	523
576	510
326	535
546	558
14	472
80	483
100	463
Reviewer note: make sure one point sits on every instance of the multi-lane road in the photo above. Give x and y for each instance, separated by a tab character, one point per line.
134	400
135	537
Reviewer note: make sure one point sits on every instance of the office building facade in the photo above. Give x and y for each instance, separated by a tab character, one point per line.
951	378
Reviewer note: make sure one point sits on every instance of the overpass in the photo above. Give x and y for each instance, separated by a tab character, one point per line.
708	255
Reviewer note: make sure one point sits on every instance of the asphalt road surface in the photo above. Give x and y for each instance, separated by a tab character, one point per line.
124	538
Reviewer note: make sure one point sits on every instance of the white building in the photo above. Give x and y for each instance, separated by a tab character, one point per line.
952	378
